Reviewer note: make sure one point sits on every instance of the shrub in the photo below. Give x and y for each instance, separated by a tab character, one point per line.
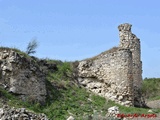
31	47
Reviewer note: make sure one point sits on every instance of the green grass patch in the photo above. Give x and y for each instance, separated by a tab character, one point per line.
72	100
151	88
154	98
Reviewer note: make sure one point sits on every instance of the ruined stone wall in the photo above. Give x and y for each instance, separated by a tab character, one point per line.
22	76
109	76
130	41
117	73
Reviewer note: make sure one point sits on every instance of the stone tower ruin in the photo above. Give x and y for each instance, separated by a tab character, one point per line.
116	74
129	41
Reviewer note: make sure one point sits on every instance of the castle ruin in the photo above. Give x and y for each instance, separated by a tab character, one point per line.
116	74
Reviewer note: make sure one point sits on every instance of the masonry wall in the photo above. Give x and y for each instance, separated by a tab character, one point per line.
130	41
109	75
117	73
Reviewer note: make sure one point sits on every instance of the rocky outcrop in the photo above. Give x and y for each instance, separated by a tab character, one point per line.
8	113
112	112
22	76
117	73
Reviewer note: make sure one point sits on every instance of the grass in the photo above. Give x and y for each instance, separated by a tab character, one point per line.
71	101
151	88
51	61
65	98
154	98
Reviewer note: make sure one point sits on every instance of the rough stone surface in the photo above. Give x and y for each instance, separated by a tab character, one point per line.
8	113
112	112
22	76
70	118
117	73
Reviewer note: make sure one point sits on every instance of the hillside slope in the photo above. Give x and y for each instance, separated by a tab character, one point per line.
65	97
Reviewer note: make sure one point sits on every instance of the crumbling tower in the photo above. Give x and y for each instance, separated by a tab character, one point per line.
129	41
116	74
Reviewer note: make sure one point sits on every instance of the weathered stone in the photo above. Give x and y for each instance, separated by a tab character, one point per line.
70	118
12	89
112	112
7	113
23	110
1	111
150	111
116	72
120	97
127	103
22	76
114	108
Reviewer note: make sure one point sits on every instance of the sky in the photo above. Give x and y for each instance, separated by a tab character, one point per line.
70	30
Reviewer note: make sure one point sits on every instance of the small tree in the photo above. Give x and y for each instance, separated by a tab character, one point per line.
31	47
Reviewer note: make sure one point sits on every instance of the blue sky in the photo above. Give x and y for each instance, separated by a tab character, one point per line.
78	29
